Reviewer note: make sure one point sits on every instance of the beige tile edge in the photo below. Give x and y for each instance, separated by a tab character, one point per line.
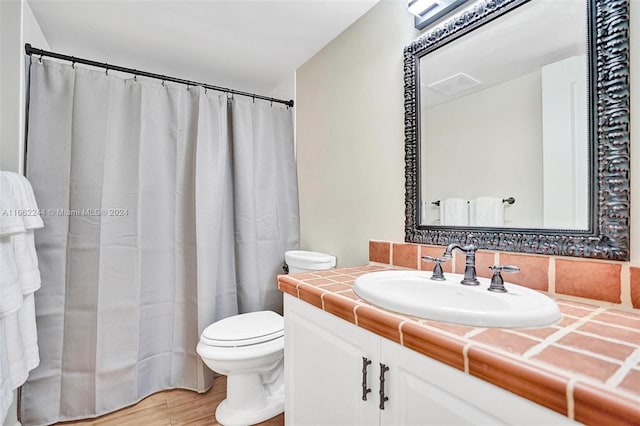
552	275
356	319
571	405
400	331
465	355
625	285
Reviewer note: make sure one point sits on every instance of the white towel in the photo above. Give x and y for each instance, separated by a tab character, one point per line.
6	390
23	244
11	294
26	262
10	220
454	212
29	332
423	212
26	200
486	211
19	274
15	349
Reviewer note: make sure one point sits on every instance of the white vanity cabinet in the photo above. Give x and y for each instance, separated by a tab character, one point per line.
324	381
323	368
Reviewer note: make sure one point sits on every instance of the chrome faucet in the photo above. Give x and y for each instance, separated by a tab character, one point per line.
470	263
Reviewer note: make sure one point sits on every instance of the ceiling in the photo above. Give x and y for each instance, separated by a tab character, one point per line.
250	45
514	45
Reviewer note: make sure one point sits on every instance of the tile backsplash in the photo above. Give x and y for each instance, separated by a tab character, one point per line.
607	282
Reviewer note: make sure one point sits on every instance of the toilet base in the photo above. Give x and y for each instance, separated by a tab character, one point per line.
228	416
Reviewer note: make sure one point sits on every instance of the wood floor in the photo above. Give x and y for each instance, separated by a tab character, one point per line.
171	408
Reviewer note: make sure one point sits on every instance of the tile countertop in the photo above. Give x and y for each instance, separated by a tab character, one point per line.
586	366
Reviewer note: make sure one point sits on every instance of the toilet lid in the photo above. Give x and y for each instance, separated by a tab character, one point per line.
244	329
309	257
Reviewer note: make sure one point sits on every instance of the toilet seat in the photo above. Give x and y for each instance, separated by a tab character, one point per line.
248	329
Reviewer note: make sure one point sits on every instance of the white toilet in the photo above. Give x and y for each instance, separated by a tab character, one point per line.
248	349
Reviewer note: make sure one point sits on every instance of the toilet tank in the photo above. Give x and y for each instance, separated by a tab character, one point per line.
306	261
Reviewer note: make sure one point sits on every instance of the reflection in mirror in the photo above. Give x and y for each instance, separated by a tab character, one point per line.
504	113
522	99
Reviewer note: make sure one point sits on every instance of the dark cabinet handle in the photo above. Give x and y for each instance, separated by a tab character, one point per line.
383	398
365	389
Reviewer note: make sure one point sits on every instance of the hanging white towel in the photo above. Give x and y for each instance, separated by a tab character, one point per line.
19	278
25	200
11	296
18	370
10	288
6	390
423	212
11	221
26	262
454	212
23	244
29	333
486	211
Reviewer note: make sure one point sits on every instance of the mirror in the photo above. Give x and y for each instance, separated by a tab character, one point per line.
517	129
509	121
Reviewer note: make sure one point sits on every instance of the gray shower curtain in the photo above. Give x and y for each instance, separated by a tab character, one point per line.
165	208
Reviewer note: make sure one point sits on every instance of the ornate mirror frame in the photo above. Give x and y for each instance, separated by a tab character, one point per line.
608	52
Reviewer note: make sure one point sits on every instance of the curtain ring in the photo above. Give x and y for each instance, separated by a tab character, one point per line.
205	90
73	62
106	68
40	59
272	103
135	77
254	99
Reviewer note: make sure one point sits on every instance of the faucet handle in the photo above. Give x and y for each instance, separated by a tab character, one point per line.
509	269
437	268
497	283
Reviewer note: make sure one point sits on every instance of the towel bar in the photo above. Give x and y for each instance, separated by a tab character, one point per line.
509	200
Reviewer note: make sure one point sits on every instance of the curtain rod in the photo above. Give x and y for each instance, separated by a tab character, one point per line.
33	51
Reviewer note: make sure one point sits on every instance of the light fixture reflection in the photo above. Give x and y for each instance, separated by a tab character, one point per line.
420	7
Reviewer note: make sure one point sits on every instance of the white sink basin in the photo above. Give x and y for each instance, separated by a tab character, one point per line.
414	293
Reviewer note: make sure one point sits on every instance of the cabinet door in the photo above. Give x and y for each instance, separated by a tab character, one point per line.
323	368
423	392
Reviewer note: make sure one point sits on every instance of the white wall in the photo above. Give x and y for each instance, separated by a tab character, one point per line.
350	136
474	160
286	89
18	26
10	87
31	31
